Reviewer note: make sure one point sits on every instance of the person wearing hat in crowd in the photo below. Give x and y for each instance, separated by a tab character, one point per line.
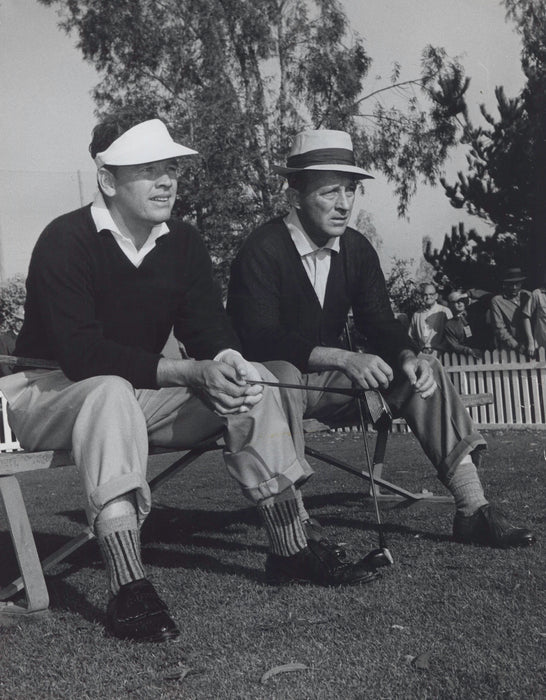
534	319
507	313
106	284
427	326
292	284
466	333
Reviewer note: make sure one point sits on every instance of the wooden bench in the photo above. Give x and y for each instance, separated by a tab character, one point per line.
14	463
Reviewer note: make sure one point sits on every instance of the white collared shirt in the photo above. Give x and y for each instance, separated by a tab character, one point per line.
103	220
316	260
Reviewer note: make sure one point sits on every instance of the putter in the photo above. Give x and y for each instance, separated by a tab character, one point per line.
380	556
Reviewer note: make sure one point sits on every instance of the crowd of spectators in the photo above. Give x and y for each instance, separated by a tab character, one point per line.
475	320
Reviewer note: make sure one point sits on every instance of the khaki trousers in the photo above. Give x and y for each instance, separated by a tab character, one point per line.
108	426
440	423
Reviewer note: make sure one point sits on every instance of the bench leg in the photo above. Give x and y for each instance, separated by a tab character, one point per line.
37	598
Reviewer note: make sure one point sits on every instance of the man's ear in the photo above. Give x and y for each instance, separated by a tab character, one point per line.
293	197
107	181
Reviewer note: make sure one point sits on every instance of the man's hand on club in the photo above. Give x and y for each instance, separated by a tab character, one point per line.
419	373
367	371
221	383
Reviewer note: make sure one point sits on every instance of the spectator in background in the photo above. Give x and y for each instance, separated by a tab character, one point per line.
464	333
534	319
427	326
507	313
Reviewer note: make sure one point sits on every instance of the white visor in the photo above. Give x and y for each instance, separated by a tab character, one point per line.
144	143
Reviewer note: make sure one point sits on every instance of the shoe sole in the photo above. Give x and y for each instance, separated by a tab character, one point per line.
527	542
165	636
280	580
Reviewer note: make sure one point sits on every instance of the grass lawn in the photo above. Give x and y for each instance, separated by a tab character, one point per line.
446	621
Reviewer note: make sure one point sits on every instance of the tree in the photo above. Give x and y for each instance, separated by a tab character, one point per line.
237	79
506	174
403	288
12	298
468	260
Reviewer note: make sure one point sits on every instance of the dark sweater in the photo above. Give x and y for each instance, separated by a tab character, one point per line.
92	310
277	314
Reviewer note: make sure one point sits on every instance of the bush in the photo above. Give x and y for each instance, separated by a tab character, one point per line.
12	298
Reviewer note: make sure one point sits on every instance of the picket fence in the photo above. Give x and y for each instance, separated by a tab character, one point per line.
518	386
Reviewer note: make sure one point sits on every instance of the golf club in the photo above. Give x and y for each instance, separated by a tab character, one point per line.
380	556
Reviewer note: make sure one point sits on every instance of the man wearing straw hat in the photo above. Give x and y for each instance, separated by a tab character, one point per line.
105	286
292	285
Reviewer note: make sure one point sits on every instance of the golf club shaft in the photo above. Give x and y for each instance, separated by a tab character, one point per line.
304	387
382	541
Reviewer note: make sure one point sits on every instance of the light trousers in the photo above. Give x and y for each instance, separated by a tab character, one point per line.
108	426
440	423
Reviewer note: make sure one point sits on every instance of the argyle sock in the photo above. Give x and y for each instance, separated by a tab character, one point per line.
119	542
281	519
304	515
466	487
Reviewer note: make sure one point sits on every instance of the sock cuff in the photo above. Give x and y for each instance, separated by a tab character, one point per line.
105	527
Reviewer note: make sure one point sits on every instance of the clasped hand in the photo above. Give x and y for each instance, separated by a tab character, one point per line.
223	385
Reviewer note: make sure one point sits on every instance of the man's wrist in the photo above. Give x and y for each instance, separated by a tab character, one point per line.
406	355
328	358
176	372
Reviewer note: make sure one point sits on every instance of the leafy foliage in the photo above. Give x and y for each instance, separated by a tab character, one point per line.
12	298
237	79
506	175
468	260
403	288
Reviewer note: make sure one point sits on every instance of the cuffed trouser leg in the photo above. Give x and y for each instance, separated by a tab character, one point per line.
440	423
260	452
108	424
99	419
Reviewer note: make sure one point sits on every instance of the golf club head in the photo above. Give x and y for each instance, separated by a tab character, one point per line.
377	558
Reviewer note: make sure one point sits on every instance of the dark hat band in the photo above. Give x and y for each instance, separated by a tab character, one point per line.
322	156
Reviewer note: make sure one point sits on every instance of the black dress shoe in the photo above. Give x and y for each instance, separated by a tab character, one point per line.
314	531
489	527
315	564
139	614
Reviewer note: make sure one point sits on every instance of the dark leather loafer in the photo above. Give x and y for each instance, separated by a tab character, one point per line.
139	614
315	564
489	527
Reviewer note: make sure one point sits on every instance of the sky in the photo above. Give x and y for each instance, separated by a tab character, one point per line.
47	114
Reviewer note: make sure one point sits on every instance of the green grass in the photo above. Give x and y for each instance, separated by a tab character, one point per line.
477	615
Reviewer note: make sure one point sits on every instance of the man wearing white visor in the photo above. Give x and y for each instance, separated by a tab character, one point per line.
292	286
106	285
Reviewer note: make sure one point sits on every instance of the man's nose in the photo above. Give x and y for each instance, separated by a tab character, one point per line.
342	201
163	180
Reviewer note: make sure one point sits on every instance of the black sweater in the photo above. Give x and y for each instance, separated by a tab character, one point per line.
92	310
277	314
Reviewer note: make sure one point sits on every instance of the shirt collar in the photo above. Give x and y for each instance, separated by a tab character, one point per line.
304	244
103	220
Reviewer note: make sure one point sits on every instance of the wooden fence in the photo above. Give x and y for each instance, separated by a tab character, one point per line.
518	386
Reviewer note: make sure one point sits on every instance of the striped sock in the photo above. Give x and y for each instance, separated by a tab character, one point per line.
466	488
280	515
304	515
119	542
